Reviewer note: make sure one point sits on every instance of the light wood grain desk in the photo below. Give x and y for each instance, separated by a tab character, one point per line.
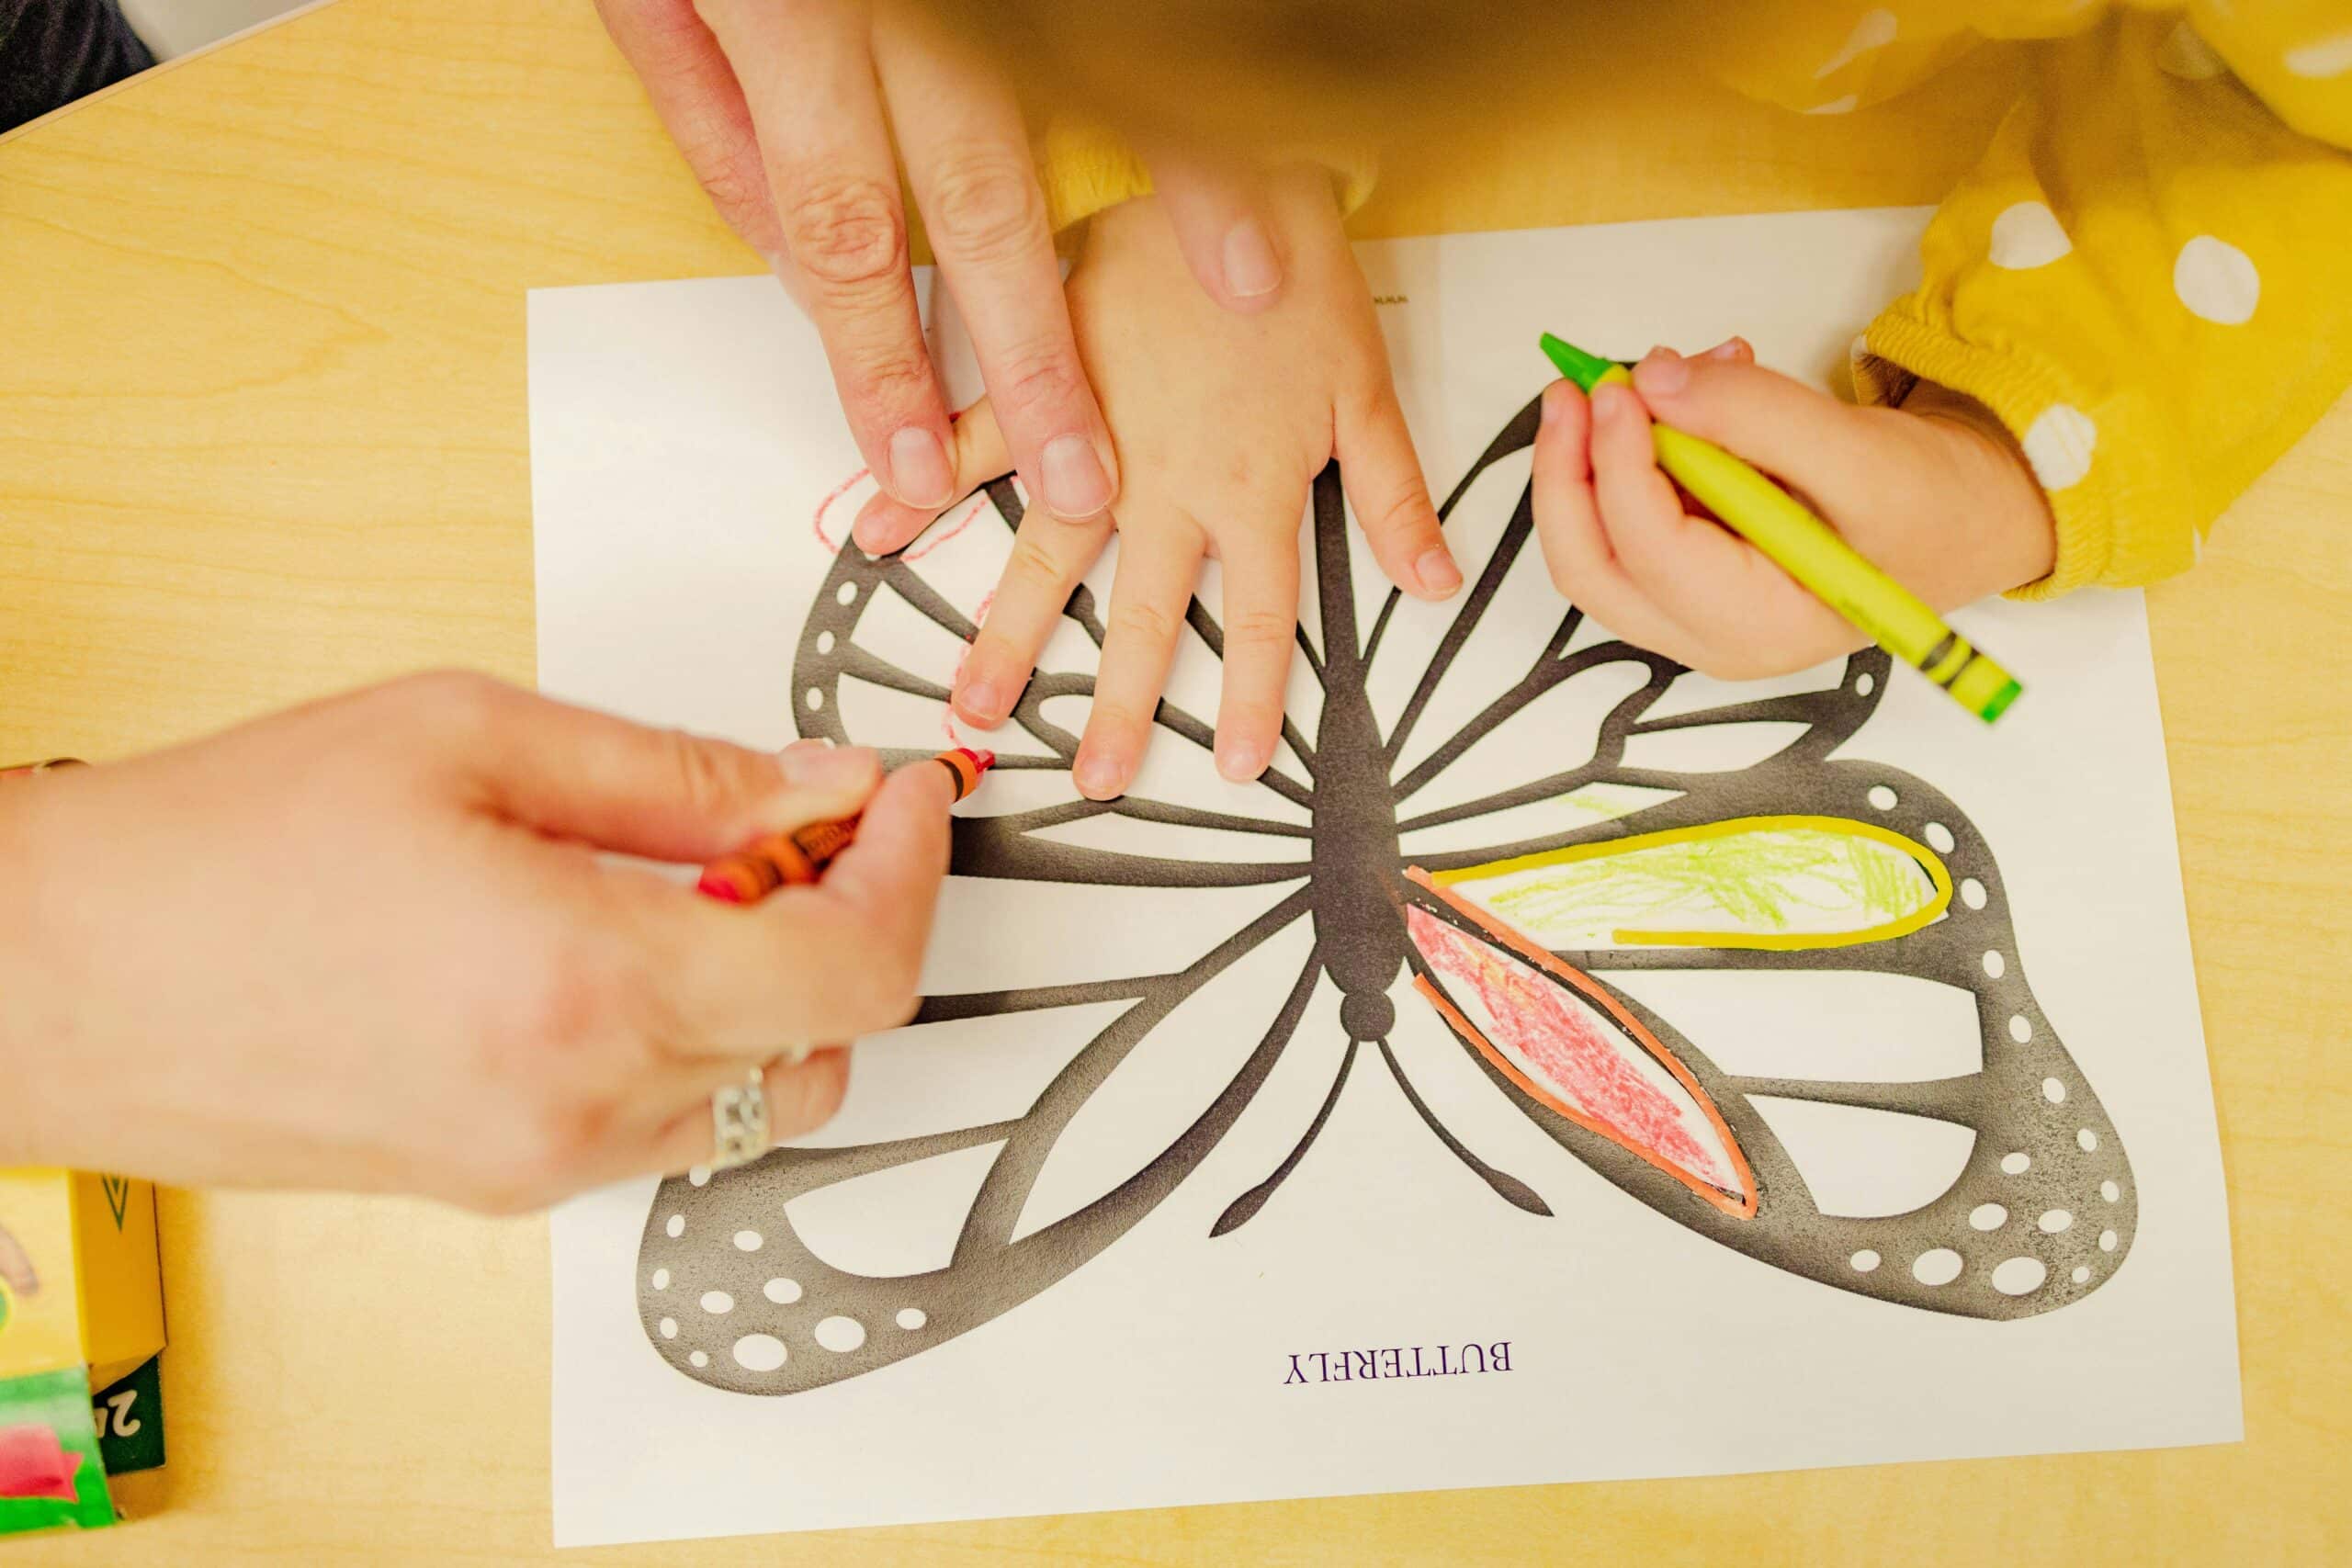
262	435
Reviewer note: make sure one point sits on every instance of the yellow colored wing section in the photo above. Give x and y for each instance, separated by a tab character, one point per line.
1772	883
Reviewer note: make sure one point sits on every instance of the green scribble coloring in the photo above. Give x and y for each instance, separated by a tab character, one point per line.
1607	802
1758	881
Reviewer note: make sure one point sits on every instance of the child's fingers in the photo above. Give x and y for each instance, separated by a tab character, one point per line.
1749	619
976	453
1159	560
1261	629
1383	481
1049	557
1783	426
1568	519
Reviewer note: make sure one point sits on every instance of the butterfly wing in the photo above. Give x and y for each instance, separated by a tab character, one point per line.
818	1263
734	1293
1690	830
1842	869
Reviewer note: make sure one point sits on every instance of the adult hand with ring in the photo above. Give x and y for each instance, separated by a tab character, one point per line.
377	943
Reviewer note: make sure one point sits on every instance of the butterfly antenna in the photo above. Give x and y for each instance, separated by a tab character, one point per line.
1245	1207
1509	1187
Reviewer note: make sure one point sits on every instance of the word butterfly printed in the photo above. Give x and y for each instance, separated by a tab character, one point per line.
1518	878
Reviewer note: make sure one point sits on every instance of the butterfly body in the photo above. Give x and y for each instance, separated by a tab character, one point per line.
1359	904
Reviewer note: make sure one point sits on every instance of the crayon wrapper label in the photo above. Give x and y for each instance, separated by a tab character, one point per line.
821	841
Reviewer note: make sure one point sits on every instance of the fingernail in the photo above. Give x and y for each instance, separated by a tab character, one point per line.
1077	485
1555	397
826	767
983	701
1099	777
1250	269
1730	348
1610	402
1240	762
919	472
1437	571
1662	372
867	532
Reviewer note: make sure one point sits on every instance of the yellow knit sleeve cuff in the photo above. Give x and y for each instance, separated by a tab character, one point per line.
1085	168
2104	462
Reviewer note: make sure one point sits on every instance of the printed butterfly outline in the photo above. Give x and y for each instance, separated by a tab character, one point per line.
1605	1078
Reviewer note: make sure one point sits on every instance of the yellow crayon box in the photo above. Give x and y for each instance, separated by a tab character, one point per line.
81	1324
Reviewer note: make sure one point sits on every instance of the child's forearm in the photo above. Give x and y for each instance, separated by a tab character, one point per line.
2143	282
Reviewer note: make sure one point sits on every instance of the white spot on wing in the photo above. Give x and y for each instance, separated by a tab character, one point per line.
1938	1266
759	1352
2020	1276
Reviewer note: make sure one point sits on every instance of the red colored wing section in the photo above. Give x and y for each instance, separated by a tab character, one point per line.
1565	1040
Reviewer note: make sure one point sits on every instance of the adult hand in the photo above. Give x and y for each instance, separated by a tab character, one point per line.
786	113
370	944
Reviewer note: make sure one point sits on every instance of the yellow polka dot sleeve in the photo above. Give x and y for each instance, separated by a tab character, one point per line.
2147	278
1085	167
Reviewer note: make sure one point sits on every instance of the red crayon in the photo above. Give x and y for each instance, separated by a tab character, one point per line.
34	770
800	857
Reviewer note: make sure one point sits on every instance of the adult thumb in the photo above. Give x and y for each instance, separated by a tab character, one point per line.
661	793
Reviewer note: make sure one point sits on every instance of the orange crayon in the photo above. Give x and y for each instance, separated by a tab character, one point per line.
800	857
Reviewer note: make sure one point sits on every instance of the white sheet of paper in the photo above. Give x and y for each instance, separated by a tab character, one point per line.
684	439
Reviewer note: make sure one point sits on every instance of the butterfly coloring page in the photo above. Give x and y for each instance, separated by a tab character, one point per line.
1557	1065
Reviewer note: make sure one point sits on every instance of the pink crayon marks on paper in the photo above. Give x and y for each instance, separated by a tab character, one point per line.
1568	1044
833	545
932	541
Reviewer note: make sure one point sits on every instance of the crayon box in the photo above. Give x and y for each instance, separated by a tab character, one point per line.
81	1327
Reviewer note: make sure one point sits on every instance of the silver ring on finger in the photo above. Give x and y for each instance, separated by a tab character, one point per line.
738	1120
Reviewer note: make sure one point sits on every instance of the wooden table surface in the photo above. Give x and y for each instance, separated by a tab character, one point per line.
262	436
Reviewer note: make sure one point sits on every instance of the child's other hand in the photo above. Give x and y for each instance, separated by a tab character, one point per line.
1935	492
1222	423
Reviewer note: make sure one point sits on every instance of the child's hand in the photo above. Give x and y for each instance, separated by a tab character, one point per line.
1935	492
1222	422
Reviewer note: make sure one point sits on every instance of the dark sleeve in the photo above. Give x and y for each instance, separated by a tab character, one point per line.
53	52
